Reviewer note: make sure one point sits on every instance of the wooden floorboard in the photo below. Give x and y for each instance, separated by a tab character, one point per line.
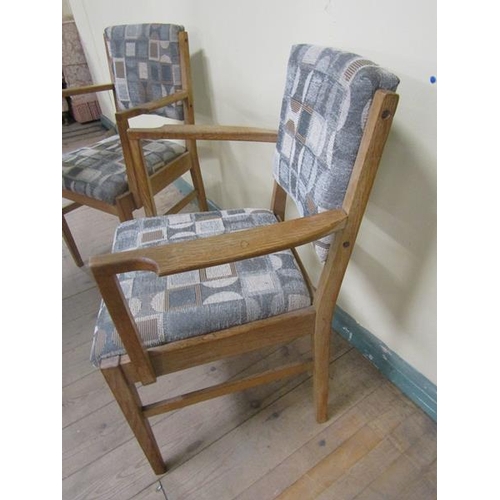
76	135
260	444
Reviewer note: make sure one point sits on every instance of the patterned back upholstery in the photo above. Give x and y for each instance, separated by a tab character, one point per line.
145	64
327	97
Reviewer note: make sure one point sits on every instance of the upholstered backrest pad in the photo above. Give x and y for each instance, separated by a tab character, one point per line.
327	97
145	64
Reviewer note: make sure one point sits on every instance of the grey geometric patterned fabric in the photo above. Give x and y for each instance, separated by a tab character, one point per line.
198	302
98	171
327	97
145	64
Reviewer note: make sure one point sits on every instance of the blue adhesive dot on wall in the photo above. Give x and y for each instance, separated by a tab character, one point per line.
433	79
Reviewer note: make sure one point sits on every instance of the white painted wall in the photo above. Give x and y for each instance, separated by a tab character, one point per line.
66	10
239	55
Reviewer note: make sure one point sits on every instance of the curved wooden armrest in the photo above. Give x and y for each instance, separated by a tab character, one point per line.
205	132
151	106
88	89
174	258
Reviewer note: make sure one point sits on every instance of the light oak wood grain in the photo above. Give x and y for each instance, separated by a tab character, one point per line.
205	132
216	250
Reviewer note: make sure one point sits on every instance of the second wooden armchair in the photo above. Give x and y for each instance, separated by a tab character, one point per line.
188	289
150	70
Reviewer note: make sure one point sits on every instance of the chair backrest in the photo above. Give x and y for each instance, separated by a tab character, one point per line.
327	97
144	62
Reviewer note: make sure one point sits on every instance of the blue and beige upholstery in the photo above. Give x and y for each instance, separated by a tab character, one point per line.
99	171
147	63
201	301
189	289
327	97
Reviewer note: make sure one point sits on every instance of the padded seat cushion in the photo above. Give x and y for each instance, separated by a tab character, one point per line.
202	301
98	171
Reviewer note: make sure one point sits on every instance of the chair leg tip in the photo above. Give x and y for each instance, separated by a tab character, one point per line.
160	469
321	416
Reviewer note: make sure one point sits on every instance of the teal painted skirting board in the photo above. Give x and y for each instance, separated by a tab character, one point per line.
185	188
107	123
412	383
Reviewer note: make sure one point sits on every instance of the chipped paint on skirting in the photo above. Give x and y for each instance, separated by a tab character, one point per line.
411	382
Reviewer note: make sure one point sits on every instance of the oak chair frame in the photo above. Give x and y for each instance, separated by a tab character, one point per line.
188	161
146	365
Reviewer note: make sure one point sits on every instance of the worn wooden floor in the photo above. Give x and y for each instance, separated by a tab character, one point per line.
75	135
260	444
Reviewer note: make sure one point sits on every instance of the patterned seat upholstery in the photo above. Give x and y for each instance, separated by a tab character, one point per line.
99	171
202	301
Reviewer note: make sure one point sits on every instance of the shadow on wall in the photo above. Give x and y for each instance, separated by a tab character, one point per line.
400	226
229	160
208	151
202	87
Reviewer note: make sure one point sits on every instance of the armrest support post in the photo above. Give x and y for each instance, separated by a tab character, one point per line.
116	303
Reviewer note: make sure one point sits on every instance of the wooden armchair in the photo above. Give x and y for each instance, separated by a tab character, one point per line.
150	70
189	289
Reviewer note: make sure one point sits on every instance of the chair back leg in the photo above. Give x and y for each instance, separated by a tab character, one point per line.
321	353
125	207
197	178
70	243
325	300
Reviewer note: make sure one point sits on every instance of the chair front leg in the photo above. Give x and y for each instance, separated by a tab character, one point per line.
129	401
